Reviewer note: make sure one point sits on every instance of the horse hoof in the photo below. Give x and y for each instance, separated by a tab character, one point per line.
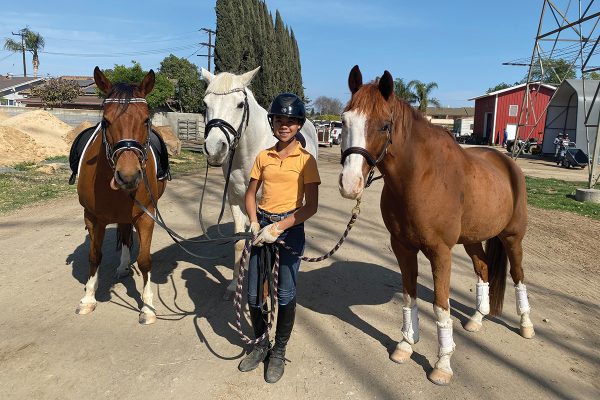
440	377
473	326
527	332
147	318
400	356
85	308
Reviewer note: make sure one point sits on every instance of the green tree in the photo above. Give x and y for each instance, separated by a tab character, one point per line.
163	88
56	92
422	92
403	90
189	87
554	71
499	86
34	42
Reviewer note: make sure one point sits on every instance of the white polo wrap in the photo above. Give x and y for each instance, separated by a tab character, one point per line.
521	297
483	297
445	340
410	324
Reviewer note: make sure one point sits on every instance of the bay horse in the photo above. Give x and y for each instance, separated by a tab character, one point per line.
117	168
232	110
436	195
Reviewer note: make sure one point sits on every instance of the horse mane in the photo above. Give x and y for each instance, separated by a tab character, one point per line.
224	82
124	91
368	100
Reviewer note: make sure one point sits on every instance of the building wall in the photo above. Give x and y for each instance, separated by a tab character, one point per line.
482	106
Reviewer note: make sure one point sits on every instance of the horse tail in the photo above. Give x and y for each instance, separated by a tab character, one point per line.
497	266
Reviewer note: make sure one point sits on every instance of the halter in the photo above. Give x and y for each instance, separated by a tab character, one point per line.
113	152
368	157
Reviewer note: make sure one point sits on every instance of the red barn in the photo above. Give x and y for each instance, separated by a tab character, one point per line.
499	110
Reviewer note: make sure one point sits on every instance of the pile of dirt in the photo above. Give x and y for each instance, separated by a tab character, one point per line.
47	131
17	147
77	130
171	140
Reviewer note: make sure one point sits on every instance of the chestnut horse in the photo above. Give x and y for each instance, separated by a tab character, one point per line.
111	176
436	195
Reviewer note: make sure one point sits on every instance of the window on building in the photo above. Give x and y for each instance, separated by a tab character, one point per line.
513	109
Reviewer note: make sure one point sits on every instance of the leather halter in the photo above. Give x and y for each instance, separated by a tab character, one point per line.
114	151
368	157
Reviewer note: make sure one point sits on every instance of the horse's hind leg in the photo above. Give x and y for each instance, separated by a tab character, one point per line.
514	249
126	239
407	260
144	226
96	231
482	297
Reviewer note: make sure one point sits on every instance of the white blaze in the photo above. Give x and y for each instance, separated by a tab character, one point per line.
351	183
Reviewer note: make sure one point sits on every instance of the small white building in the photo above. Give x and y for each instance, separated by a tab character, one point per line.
12	88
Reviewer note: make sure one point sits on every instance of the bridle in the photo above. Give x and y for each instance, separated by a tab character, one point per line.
114	151
368	157
227	130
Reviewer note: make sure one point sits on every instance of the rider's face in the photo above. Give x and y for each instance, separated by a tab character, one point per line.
285	128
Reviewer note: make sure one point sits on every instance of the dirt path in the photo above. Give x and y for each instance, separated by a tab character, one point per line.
349	314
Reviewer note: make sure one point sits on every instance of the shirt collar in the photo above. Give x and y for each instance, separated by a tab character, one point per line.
295	152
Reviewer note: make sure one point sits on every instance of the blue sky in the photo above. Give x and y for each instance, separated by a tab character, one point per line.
458	44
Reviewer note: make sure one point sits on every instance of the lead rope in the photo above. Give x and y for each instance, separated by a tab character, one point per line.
237	300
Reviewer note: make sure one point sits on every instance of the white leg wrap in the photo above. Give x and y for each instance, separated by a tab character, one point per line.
446	344
483	297
410	324
522	301
148	297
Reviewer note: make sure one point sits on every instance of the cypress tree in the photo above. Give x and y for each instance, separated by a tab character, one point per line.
227	48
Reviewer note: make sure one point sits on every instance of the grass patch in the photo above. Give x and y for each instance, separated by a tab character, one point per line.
554	194
57	159
31	186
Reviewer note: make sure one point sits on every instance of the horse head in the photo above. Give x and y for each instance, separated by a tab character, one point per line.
227	113
125	128
366	131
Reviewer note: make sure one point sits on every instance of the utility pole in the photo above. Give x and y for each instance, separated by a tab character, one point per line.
209	45
22	34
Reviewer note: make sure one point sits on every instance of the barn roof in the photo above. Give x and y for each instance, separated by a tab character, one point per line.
509	89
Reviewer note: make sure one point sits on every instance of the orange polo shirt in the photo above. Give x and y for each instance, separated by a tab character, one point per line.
283	180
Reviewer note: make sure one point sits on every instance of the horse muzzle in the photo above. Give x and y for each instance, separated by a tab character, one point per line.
351	185
126	182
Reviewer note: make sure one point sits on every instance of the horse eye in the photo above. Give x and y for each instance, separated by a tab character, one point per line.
240	105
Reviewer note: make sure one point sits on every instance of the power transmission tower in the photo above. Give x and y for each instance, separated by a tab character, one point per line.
208	45
22	34
570	34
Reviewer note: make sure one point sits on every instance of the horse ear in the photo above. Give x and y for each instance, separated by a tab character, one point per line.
248	76
147	83
386	85
206	75
355	79
102	81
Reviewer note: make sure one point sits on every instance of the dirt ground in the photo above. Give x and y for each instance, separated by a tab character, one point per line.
349	313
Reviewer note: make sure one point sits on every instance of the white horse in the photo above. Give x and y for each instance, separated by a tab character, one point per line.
229	99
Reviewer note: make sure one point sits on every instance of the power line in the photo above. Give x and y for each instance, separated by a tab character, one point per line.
132	53
209	45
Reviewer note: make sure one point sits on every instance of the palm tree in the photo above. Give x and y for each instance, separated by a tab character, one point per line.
33	41
422	92
403	91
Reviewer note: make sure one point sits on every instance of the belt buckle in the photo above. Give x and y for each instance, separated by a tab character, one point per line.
275	218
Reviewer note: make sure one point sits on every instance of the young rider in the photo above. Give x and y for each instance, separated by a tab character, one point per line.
290	182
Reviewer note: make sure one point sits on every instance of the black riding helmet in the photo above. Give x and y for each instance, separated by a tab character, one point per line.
289	105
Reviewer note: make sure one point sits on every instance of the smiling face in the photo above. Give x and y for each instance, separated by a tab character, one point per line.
285	128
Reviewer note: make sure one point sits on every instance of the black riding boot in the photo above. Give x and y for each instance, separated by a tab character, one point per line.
285	323
261	349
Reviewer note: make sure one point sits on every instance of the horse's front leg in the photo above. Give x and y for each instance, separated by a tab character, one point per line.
144	226
407	259
96	231
441	262
239	221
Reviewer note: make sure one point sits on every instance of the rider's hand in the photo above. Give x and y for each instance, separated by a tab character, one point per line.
268	234
254	228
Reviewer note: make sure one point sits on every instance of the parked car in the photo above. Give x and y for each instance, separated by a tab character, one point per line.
336	132
324	135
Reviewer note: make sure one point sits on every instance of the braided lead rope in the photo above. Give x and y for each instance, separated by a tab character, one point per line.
355	213
237	300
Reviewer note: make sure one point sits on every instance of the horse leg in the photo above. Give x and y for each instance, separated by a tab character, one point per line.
144	226
124	268
239	221
482	298
96	231
514	250
407	260
441	261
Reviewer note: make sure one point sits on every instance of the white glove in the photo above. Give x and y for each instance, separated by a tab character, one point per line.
254	228
268	234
